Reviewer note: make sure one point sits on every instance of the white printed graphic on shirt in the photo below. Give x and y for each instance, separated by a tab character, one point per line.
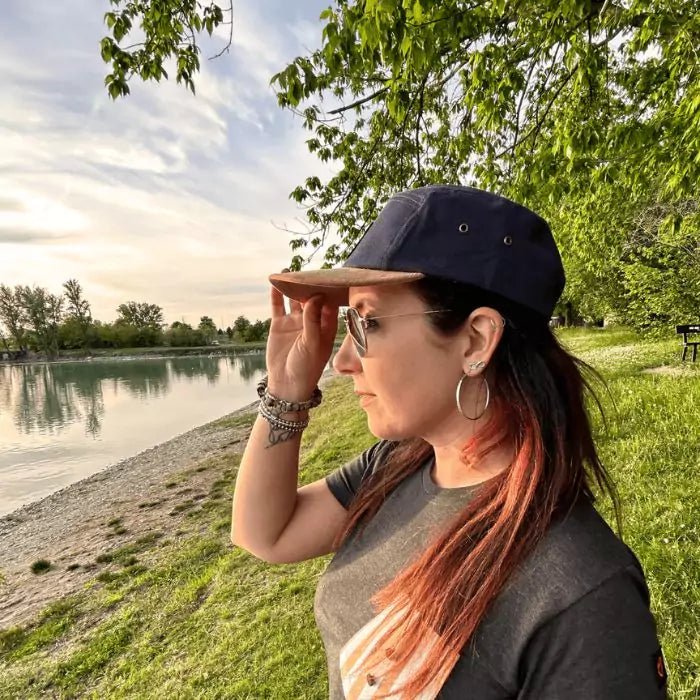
366	670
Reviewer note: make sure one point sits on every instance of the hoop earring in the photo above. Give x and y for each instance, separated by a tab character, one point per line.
459	403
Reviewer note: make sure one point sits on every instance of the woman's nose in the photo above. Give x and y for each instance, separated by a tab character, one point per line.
346	360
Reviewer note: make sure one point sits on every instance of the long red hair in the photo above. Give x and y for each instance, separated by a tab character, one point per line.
538	393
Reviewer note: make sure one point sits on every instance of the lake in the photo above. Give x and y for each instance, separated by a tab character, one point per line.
61	422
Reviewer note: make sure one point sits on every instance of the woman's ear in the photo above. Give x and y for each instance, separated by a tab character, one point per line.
484	329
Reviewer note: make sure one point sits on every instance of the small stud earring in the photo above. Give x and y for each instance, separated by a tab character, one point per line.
476	365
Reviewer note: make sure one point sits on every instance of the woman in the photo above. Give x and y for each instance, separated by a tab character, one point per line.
469	560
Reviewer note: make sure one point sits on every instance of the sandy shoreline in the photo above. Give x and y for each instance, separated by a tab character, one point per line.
70	527
151	492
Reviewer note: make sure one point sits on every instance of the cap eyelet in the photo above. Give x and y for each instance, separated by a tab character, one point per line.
508	240
463	228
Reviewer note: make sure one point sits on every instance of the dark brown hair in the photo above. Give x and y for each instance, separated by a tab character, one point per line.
538	400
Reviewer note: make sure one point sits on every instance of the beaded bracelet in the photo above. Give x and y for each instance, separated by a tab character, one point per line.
281	423
273	402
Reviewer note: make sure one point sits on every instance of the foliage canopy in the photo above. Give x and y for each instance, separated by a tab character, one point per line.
588	111
167	30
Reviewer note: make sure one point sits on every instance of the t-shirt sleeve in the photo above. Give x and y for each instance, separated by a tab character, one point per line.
345	481
604	646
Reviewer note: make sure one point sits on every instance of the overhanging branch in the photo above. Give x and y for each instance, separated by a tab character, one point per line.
361	101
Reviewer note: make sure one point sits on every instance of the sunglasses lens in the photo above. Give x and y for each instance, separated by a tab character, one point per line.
354	326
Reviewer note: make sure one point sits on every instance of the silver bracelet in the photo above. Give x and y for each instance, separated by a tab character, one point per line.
281	423
284	406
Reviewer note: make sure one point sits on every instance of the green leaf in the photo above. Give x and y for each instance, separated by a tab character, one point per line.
417	12
106	49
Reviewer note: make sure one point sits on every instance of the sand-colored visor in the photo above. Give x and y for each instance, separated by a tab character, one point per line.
334	283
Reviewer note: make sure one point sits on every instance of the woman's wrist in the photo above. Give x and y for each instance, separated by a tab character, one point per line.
289	394
295	416
288	399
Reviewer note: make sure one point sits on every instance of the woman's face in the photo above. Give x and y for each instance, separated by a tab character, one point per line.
408	376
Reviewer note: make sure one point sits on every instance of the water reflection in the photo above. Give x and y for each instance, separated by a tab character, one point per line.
46	398
196	367
249	365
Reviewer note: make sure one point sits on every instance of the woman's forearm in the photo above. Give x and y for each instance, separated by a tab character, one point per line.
265	492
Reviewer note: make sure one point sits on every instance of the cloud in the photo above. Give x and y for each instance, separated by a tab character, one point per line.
27	236
164	196
10	204
38	217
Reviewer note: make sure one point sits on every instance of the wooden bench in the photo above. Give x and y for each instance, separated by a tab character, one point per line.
687	330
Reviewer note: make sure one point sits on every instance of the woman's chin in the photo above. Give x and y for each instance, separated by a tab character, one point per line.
384	431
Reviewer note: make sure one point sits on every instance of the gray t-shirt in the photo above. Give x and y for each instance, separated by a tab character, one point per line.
573	623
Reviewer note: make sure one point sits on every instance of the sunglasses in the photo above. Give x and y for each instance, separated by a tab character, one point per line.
357	325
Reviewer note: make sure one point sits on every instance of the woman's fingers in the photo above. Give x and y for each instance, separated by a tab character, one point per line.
277	302
312	317
319	319
329	319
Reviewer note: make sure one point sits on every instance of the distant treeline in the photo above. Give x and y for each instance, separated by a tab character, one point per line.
32	318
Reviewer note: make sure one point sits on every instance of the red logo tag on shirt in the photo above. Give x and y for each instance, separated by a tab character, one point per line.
660	668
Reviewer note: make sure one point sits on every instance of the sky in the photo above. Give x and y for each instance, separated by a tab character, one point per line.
160	197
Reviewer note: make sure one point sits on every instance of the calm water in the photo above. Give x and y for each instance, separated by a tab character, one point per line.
62	422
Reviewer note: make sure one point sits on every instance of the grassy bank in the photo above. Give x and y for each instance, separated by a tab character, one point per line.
184	614
161	350
158	351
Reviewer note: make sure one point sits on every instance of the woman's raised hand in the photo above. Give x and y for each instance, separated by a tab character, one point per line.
299	345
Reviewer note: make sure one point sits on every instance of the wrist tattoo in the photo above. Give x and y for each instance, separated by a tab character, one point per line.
277	436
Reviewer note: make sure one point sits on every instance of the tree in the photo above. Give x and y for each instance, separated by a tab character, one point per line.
139	324
512	97
78	307
72	334
140	314
183	335
78	315
166	29
208	328
43	312
562	106
13	316
256	332
240	328
587	111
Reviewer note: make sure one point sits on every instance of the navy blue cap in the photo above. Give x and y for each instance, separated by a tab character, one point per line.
453	232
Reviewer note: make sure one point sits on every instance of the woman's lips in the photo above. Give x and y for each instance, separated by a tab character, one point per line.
365	398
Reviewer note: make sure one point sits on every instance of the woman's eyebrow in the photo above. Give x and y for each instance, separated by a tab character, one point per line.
363	304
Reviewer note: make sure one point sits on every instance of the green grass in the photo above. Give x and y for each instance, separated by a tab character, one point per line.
122	555
244	420
41	566
54	622
194	617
